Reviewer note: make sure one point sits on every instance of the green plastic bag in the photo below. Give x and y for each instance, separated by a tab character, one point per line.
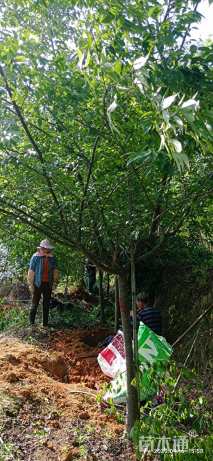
151	347
153	352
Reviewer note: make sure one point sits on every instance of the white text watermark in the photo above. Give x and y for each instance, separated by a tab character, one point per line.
166	445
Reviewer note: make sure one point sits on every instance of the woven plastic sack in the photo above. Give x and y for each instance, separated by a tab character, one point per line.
152	350
112	359
118	390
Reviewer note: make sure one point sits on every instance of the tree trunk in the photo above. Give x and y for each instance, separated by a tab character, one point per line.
107	291
135	327
66	285
117	307
132	400
101	295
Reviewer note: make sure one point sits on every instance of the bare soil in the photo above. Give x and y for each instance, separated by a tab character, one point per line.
48	399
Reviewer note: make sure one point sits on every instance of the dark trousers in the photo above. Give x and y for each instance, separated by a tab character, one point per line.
46	290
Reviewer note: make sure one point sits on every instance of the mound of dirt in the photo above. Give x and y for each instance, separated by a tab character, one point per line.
52	390
63	368
19	361
31	374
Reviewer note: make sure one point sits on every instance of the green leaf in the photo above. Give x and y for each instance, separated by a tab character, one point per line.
190	104
167	102
181	160
154	11
117	67
140	62
20	58
87	59
177	145
178	121
141	157
113	105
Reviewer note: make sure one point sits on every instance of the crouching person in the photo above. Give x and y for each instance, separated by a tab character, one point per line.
42	279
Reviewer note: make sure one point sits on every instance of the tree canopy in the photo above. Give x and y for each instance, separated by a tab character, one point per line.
106	132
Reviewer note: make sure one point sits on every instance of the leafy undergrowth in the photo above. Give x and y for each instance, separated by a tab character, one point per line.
181	427
48	399
11	317
80	315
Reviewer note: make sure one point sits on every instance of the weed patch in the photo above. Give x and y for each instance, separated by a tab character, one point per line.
13	317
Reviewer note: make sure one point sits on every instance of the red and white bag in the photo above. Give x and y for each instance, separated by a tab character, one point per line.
112	359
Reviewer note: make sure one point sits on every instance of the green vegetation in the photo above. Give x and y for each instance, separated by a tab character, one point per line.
13	317
6	451
184	414
77	317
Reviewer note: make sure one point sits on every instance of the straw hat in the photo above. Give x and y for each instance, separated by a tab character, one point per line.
46	244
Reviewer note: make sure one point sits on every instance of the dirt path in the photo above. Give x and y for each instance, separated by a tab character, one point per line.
48	400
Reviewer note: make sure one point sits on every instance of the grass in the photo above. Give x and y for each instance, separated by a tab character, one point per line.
6	451
13	317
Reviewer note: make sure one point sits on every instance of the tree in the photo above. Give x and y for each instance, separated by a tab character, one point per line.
105	145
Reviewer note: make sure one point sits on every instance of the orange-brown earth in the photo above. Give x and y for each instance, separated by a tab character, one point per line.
80	350
52	390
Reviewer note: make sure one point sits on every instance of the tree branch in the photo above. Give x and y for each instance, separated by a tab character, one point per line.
168	10
35	146
188	28
158	207
87	185
152	251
